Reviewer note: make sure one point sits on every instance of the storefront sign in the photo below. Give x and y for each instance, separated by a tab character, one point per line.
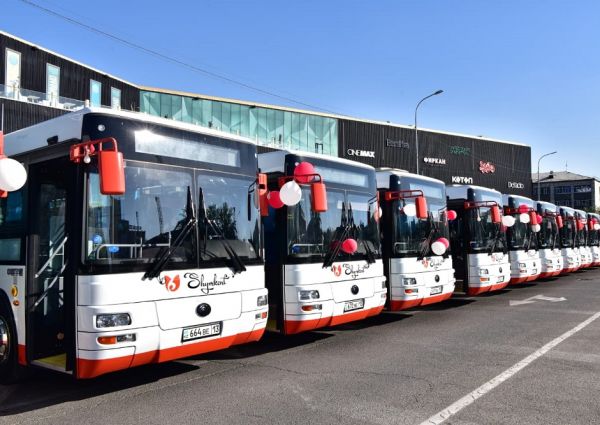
434	161
462	180
486	167
397	144
516	185
359	152
460	150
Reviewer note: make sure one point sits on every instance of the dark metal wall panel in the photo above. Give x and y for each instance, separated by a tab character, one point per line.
450	158
18	115
74	78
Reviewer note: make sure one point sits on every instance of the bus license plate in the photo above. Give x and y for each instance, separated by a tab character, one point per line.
436	290
203	331
354	305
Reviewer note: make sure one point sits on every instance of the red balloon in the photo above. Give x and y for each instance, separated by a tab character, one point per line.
445	241
349	246
303	171
539	219
523	209
274	200
451	215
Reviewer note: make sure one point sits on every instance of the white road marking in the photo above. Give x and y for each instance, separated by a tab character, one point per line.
456	407
535	298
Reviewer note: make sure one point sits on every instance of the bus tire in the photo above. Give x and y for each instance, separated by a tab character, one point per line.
10	370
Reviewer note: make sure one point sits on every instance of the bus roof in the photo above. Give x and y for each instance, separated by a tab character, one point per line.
460	191
568	210
69	126
272	162
384	174
522	199
547	205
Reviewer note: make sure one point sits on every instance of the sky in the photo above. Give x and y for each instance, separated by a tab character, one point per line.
526	71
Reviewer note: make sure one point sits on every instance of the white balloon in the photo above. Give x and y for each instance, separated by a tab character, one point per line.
290	193
596	226
438	248
12	175
410	210
536	228
524	218
508	220
379	212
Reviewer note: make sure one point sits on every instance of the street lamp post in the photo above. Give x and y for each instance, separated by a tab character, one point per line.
538	172
416	131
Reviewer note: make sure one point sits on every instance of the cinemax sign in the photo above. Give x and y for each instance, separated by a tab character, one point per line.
358	152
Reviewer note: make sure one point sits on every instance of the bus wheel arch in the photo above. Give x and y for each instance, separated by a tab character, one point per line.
10	370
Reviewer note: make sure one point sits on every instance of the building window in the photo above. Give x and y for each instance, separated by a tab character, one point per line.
563	202
582	203
585	188
52	84
115	98
12	74
562	189
267	126
545	190
95	93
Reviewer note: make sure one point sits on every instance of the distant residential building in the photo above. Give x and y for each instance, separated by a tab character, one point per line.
568	189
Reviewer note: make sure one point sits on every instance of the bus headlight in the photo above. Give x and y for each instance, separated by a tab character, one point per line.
113	320
308	295
407	281
262	300
483	272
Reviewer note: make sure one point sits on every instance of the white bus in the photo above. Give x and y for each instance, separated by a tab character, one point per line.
478	239
111	263
322	252
581	243
412	230
548	240
594	237
522	239
568	240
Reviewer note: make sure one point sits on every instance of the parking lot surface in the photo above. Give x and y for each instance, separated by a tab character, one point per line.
470	360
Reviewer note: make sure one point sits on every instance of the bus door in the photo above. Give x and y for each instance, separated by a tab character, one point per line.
47	310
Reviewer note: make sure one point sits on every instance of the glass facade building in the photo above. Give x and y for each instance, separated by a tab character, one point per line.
267	126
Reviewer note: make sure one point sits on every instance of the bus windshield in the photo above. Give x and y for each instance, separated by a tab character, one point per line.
520	235
135	227
567	233
414	236
548	235
582	236
310	235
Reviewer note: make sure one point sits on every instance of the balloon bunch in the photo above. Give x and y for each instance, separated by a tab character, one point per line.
440	246
12	173
290	193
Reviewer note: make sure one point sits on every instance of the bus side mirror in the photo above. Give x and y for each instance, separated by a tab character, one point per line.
421	205
111	170
496	217
559	221
263	202
319	197
533	218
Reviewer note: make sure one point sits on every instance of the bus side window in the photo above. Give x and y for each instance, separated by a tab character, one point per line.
11	227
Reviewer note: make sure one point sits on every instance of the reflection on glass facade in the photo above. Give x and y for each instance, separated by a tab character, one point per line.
269	127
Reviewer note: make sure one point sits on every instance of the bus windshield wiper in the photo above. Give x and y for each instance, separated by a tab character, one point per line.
354	227
427	241
165	254
237	264
340	234
495	240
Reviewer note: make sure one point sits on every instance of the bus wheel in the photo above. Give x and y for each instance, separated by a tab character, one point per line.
10	371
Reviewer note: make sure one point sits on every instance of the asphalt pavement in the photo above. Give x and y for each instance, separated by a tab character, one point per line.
491	359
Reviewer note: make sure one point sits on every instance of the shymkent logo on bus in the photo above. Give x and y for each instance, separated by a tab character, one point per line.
195	281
